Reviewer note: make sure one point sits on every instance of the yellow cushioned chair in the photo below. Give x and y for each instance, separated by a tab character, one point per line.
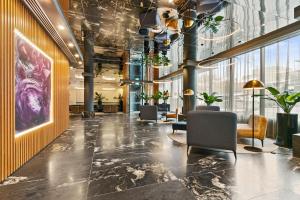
172	115
260	128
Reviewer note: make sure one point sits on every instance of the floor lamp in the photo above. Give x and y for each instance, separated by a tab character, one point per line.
253	85
188	92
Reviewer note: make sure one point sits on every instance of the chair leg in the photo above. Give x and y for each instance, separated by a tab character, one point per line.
234	152
262	143
187	150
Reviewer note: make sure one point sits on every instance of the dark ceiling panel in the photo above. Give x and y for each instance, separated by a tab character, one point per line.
115	22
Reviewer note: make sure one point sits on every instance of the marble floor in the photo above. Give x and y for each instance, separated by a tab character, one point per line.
115	156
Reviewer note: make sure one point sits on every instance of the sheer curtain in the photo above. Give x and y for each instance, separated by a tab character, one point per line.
221	83
176	92
246	67
282	69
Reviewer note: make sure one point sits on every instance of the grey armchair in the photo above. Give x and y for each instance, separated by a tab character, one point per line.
212	130
149	113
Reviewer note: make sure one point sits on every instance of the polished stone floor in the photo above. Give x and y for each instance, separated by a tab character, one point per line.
115	156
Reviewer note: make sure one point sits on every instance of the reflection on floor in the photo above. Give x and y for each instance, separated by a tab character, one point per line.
114	156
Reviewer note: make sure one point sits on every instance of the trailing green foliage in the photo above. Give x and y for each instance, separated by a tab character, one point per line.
212	23
286	100
157	60
209	99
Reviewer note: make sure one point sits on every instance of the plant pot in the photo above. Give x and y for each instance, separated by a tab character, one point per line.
208	108
287	125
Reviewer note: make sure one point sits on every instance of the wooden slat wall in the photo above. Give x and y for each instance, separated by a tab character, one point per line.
15	152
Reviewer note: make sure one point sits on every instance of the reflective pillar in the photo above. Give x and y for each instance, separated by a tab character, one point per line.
88	73
189	70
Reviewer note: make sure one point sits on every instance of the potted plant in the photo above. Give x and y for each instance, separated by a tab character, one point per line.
120	103
156	97
99	97
165	96
209	99
146	98
287	123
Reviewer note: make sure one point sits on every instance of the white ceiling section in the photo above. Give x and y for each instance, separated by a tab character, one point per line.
51	17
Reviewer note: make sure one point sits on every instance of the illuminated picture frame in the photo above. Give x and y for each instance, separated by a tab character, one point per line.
33	86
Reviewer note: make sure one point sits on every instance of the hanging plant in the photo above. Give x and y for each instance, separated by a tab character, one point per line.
165	60
212	23
157	60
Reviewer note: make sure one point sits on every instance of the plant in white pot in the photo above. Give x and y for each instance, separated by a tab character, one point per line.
287	122
209	99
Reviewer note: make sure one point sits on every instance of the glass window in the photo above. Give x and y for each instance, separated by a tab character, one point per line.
221	83
282	69
176	94
246	67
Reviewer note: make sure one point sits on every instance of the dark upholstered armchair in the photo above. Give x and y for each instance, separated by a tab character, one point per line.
148	113
212	130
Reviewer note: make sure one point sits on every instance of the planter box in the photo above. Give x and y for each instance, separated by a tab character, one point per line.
296	145
287	125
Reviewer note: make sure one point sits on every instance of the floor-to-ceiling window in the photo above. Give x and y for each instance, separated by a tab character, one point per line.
176	94
215	79
245	67
282	70
220	84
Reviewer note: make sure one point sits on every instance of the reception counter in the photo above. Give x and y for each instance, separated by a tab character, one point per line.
110	107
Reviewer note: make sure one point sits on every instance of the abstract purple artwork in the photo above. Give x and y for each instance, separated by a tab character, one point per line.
33	86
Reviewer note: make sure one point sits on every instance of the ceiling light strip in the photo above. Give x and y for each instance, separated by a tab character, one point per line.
42	18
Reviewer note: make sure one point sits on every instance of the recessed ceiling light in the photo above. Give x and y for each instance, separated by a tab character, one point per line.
70	44
80	63
76	55
60	27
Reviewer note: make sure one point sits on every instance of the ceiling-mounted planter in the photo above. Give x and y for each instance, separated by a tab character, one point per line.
149	19
143	31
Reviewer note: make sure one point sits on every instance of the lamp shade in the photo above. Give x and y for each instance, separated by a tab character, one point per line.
188	92
254	84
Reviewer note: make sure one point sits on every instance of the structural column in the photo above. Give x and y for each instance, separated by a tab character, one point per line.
189	69
88	72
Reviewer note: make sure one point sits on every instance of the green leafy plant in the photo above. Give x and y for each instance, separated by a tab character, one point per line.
212	23
210	99
165	95
157	96
99	97
286	100
145	97
156	60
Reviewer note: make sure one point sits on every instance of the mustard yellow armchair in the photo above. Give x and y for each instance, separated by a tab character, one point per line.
172	115
260	128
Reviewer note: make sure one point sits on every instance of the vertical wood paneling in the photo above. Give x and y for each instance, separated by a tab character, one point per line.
14	152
